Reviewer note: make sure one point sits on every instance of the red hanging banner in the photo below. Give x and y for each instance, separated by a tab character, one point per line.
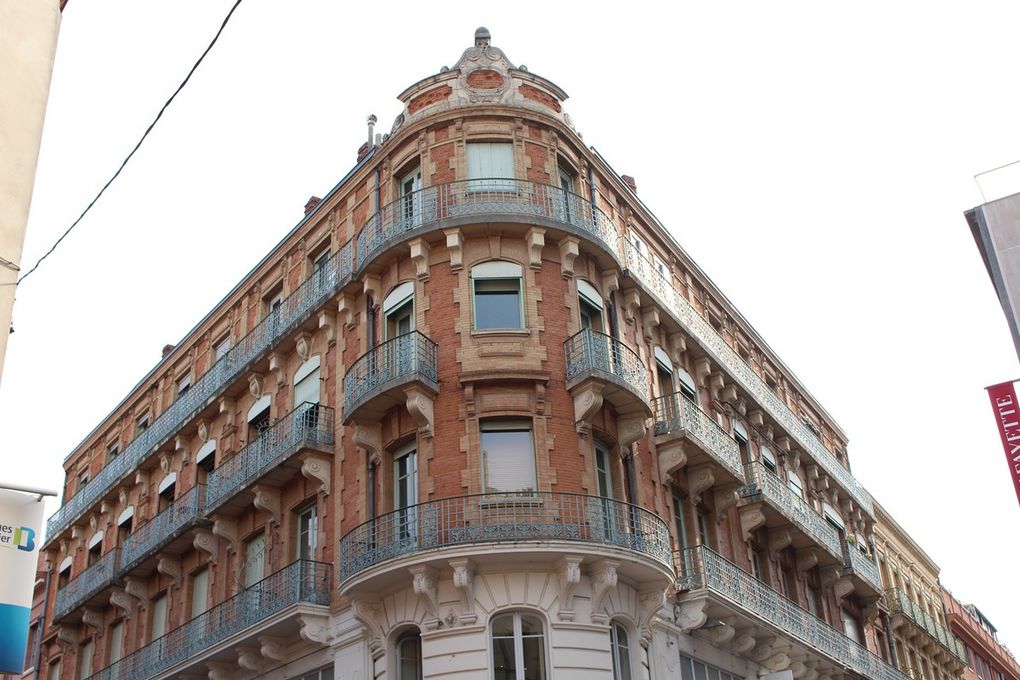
1007	416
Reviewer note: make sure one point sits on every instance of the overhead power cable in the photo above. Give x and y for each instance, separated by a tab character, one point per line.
137	146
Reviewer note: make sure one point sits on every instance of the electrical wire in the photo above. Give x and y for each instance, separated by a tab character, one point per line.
137	146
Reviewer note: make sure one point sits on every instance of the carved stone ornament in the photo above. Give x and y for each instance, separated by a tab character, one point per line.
649	322
723	633
136	588
779	539
273	647
535	238
420	250
806	559
455	248
255	385
221	670
629	430
369	437
203	430
227	530
120	599
169	567
267	499
587	403
691	614
672	459
303	346
751	517
570	575
345	310
369	613
68	634
569	250
798	669
464	581
426	587
842	587
93	618
603	579
742	644
314	628
420	404
649	604
725	497
678	343
122	496
631	304
484	57
317	469
699	480
327	324
249	658
205	541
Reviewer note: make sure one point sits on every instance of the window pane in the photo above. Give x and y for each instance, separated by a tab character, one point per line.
503	658
534	658
699	671
508	459
497	303
686	672
530	625
503	626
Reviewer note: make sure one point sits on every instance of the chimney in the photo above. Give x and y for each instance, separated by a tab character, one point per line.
363	151
312	203
167	349
372	120
629	181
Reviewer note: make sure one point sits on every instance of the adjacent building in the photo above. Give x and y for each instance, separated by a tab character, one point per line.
477	415
986	657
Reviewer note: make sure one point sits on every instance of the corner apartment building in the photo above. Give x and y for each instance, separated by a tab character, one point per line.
477	415
913	625
986	658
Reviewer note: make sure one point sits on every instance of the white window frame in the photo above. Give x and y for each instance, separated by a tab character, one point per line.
221	347
312	512
498	270
621	670
518	425
519	642
476	176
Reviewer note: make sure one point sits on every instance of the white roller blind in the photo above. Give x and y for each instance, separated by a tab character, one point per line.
490	160
158	618
116	641
254	560
199	592
85	669
307	389
508	456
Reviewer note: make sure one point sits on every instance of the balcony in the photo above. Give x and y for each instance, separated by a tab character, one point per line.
272	459
863	572
677	418
88	586
715	589
475	201
379	379
271	608
782	506
675	303
906	611
166	532
295	310
504	528
622	378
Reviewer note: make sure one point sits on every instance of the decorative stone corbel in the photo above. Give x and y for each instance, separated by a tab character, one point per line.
169	567
92	618
672	459
226	408
756	418
256	382
420	257
278	367
221	670
779	661
136	588
871	611
699	480
267	499
842	587
314	628
691	614
742	644
751	517
725	497
420	404
806	559
793	460
810	674
426	587
455	247
702	369
369	437
345	310
569	250
629	430
273	647
764	649
649	322
249	658
227	530
603	579
206	542
570	575
68	635
327	324
372	286
649	604
678	345
723	633
535	239
464	581
610	282
784	444
729	395
120	599
303	346
587	403
317	469
779	539
631	304
77	532
798	669
368	613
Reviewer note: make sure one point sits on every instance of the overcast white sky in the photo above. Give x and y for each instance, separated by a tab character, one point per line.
814	158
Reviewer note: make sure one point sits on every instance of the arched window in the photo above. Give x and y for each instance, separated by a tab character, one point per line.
408	653
621	651
518	647
496	292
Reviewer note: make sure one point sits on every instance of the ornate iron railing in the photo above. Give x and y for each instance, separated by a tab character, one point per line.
504	518
78	590
590	350
163	528
403	358
308	424
761	480
295	308
863	566
899	602
687	316
675	413
302	582
701	568
482	197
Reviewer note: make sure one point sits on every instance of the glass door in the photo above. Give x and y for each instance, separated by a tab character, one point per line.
604	487
405	497
410	200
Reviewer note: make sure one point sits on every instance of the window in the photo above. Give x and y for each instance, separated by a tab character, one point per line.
852	628
756	565
199	592
112	451
621	651
398	310
142	424
116	642
222	347
183	385
85	660
325	673
157	627
307	533
768	460
30	648
307	382
405	491
83	479
603	472
661	268
687	386
273	304
254	560
589	306
812	598
568	210
53	673
793	481
411	199
664	372
320	270
487	164
518	647
408	649
692	669
742	448
498	302
508	456
681	523
704	527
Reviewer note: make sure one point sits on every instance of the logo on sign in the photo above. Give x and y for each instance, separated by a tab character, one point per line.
21	538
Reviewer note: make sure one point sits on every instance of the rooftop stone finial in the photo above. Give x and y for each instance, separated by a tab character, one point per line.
482	37
483	54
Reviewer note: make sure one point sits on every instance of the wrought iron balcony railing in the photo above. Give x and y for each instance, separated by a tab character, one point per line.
407	357
482	197
701	568
504	518
761	480
589	350
676	413
900	603
862	566
302	582
308	297
101	574
307	425
673	301
163	528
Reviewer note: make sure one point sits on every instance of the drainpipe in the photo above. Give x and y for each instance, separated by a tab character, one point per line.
378	199
890	642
